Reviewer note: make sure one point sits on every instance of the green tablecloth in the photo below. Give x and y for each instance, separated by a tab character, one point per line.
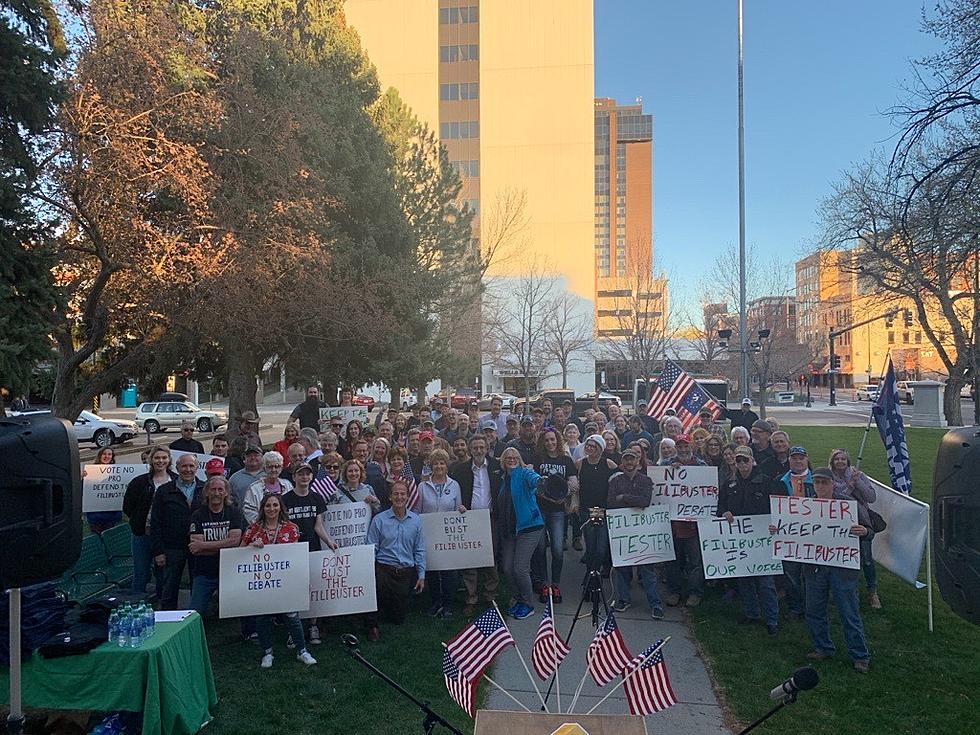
168	679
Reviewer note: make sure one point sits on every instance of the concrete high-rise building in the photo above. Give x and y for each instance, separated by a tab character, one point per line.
508	86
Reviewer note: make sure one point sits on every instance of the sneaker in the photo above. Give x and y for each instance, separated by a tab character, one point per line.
304	657
818	655
434	610
266	661
290	643
672	599
621	606
577	544
693	600
512	610
525	611
556	593
314	635
861	666
657	613
543	597
445	613
373	633
875	601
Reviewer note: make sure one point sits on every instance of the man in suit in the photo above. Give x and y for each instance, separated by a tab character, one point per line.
479	481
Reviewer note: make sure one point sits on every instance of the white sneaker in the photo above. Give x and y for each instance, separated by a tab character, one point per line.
266	661
305	657
314	635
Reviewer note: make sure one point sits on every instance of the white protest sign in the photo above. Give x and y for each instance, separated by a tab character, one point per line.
342	582
691	493
815	531
742	548
639	535
104	485
202	459
273	579
457	540
347	523
345	414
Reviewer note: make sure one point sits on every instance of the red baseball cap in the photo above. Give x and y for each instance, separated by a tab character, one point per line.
425	435
214	466
682	439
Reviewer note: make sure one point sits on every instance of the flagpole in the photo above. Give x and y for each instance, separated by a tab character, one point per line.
871	414
516	700
578	690
523	662
929	564
625	678
551	610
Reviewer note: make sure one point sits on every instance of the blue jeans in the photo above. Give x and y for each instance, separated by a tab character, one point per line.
842	584
553	538
293	624
442	586
868	564
756	590
623	577
142	564
202	587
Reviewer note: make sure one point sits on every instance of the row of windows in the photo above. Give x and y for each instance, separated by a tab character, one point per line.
464	91
462	52
615	312
466	168
457	130
454	16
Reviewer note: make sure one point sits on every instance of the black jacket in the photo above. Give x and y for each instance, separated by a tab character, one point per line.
170	517
187	445
462	472
738	417
748	496
137	501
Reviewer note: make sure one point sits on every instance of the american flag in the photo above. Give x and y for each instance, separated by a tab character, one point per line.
414	499
648	688
323	485
548	650
461	689
607	654
476	645
676	389
888	418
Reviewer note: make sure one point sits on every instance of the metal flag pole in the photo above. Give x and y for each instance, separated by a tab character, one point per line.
629	675
523	662
554	631
743	337
15	720
871	413
929	563
578	690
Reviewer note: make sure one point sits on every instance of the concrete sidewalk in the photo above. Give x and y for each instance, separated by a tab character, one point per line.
697	710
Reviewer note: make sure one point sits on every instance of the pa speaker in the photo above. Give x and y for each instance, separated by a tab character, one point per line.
956	521
40	500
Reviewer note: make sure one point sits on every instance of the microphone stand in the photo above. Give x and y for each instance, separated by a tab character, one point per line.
788	699
431	718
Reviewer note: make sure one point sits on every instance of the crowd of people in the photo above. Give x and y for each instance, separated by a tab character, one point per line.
541	474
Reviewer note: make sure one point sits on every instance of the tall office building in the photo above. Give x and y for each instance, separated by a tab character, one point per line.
508	85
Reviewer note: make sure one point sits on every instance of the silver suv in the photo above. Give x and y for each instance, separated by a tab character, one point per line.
163	415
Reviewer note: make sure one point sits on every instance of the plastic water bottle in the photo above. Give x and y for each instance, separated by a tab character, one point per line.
113	626
136	631
125	628
151	620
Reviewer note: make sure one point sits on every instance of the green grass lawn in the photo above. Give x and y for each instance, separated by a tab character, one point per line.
920	682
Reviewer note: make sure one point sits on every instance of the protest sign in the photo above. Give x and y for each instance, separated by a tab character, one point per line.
344	413
202	459
342	582
639	535
104	485
347	523
691	493
815	531
742	548
899	548
273	579
457	540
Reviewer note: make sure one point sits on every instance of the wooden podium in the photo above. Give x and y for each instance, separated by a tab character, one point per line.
493	722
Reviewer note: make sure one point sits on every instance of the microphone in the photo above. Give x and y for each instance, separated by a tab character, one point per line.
350	640
800	681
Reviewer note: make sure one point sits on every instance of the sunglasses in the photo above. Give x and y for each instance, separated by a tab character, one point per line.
332	466
742	460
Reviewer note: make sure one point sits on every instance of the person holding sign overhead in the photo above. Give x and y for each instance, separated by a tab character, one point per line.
747	494
274	527
441	493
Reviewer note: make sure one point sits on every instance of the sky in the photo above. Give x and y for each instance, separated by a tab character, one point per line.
817	76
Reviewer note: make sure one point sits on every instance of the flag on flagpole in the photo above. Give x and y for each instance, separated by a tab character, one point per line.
647	686
676	389
607	655
548	650
414	499
888	417
461	689
324	486
476	645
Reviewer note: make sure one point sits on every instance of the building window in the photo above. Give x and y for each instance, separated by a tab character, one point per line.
454	16
468	169
918	338
464	91
891	338
613	294
457	130
460	52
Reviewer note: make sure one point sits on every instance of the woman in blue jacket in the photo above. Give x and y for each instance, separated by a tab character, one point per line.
521	526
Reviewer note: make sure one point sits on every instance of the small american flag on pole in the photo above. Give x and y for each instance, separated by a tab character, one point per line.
323	485
476	645
548	650
461	689
414	499
676	389
607	655
646	683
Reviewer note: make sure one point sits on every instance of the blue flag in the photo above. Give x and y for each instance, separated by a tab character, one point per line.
888	417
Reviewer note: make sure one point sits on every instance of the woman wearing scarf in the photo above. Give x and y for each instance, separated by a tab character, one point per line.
850	482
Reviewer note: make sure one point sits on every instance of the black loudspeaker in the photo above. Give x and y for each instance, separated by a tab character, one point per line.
40	500
956	521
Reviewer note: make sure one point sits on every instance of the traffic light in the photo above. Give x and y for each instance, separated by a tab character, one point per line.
908	318
835	363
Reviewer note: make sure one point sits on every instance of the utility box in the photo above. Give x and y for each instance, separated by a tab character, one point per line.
927	410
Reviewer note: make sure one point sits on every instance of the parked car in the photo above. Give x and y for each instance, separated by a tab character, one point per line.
162	415
586	400
866	393
905	392
555	395
407	398
506	399
90	427
362	400
463	397
173	397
